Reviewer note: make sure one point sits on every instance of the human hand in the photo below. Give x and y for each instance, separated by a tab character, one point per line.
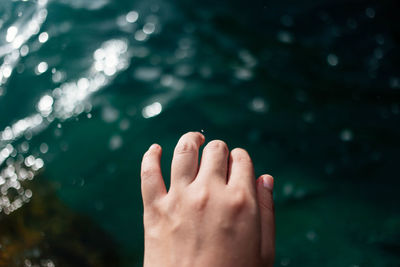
214	215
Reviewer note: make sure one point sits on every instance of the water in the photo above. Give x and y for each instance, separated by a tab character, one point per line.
310	90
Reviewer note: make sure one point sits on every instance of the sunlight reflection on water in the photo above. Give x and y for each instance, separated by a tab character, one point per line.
17	35
264	87
69	99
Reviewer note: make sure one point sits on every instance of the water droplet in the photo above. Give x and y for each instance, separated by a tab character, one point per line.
311	235
132	16
152	110
115	142
147	74
44	148
140	35
24	50
394	82
243	74
124	125
41	68
332	60
45	105
11	33
149	28
109	114
288	189
346	135
43	37
285	37
258	104
370	12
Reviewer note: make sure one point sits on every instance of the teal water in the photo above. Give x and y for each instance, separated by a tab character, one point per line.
311	90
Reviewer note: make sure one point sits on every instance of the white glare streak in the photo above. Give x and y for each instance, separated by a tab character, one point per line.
67	100
70	99
17	34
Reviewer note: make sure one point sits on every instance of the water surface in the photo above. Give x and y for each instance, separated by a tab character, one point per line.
310	89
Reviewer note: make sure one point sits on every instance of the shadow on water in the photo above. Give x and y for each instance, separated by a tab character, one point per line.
45	232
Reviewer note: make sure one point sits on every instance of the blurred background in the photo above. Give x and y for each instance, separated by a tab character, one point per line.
310	88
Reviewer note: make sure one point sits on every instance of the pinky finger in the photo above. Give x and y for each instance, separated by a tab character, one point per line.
265	185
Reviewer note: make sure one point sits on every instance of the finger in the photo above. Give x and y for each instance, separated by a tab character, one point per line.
241	171
153	186
214	161
265	184
184	165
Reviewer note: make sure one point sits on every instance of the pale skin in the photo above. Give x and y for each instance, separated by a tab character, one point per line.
215	214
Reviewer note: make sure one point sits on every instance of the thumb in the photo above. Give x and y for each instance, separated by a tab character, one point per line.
265	184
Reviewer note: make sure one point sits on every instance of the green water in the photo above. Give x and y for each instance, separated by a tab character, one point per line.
310	89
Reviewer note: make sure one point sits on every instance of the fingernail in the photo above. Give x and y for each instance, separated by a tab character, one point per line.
268	182
202	136
153	146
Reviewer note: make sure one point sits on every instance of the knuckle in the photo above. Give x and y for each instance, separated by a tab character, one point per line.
252	207
185	146
200	199
239	200
149	216
152	213
148	172
217	144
